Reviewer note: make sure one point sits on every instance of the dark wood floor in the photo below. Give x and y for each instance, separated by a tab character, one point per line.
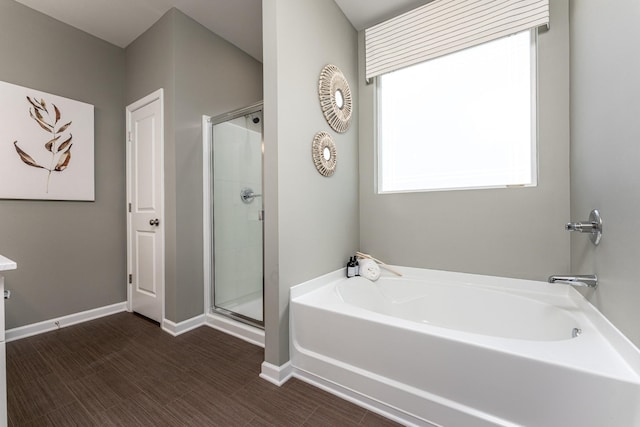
122	370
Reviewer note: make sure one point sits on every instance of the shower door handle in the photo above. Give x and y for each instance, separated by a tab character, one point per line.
247	195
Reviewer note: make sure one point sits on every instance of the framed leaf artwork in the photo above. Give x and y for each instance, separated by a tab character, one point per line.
46	146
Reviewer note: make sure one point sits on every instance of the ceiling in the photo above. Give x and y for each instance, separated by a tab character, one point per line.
239	21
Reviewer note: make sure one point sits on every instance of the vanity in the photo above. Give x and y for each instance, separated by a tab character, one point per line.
5	265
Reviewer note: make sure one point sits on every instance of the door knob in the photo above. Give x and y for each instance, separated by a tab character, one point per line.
154	222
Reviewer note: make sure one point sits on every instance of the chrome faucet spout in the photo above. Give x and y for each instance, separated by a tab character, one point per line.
585	280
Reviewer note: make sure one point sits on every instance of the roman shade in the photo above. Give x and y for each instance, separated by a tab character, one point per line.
446	26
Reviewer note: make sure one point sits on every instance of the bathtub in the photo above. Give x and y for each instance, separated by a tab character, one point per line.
436	348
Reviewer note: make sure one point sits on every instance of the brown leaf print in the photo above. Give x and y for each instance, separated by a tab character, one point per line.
35	104
63	128
43	125
48	118
64	160
25	157
65	144
49	145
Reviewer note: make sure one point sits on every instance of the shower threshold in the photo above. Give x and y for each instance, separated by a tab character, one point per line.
247	309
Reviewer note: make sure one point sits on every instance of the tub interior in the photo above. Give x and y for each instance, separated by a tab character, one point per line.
464	307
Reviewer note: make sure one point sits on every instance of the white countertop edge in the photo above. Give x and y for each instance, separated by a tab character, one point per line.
7	264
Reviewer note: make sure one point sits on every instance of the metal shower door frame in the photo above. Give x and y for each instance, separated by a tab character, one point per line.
210	272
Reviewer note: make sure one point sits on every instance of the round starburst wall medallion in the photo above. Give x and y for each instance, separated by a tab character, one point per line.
335	98
323	151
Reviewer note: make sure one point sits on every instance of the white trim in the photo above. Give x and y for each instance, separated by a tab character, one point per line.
206	210
277	375
237	329
535	108
179	328
126	205
231	327
156	95
64	321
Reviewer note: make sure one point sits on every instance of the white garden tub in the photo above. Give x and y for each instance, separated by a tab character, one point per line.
454	349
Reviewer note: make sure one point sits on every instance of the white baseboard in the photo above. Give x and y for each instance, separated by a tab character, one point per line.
176	329
277	375
239	330
61	322
247	333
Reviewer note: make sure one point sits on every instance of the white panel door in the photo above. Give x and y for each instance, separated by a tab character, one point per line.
145	195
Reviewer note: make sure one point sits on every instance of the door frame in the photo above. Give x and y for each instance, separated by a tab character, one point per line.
207	206
156	95
207	213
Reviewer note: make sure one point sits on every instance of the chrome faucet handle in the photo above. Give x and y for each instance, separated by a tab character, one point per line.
592	226
573	226
583	227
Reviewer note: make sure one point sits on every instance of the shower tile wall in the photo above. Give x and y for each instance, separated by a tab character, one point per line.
237	227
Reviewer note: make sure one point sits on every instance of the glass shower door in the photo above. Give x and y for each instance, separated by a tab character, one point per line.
237	216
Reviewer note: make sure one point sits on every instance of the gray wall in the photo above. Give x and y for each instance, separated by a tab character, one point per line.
71	255
212	77
515	232
201	74
150	63
605	148
311	221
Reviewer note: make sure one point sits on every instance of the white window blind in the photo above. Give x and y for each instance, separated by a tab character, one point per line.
445	26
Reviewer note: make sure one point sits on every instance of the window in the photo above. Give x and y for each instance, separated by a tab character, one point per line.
460	121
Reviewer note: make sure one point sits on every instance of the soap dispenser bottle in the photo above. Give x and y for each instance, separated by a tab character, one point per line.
351	267
357	266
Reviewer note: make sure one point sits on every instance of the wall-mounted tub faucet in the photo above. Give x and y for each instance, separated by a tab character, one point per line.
593	226
586	280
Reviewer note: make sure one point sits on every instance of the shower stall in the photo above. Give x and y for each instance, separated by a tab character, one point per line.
233	157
